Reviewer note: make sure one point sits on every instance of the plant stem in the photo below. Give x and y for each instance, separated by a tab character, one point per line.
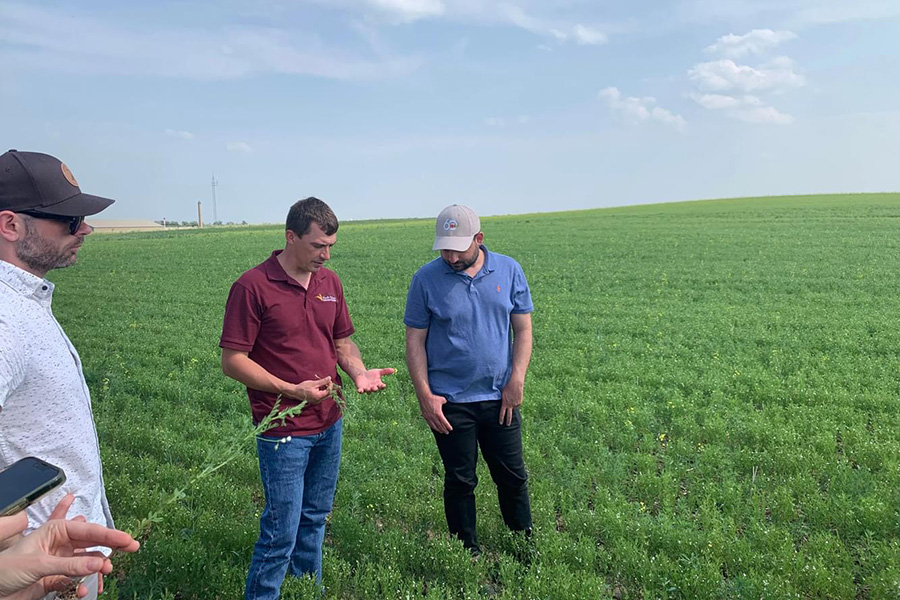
215	460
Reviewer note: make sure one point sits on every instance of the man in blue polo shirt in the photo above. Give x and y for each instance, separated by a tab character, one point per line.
468	344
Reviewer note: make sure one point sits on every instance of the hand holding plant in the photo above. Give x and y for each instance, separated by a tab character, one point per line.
312	391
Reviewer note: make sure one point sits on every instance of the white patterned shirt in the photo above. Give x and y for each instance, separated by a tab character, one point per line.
45	405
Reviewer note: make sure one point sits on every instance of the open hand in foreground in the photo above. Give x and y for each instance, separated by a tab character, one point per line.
45	560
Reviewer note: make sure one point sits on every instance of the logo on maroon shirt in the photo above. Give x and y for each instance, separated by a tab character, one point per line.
322	298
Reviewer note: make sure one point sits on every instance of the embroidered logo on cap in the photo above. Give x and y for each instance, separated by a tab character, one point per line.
450	225
68	174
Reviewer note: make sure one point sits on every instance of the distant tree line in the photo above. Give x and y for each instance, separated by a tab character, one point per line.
167	223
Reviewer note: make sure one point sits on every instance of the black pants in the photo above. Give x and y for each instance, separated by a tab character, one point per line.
476	424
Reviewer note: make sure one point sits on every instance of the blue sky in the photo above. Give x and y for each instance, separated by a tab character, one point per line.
396	108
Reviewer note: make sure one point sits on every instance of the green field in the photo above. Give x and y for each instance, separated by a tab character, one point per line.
712	410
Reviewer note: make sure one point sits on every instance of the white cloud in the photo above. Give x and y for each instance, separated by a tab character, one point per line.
755	42
409	10
181	135
33	37
515	15
785	63
750	109
482	12
581	35
763	114
36	37
495	122
587	36
238	147
641	109
666	116
724	75
518	17
715	101
723	85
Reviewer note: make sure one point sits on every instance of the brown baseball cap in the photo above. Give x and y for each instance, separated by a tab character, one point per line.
31	181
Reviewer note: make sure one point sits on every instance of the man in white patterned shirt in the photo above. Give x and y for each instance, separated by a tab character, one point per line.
45	405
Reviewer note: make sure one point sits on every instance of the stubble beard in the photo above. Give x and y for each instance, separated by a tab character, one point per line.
41	255
462	265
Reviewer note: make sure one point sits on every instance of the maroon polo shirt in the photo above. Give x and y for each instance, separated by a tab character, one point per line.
289	331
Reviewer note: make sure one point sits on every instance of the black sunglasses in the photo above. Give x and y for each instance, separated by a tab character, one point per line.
74	222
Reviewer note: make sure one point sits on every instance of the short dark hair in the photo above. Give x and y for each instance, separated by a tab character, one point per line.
308	211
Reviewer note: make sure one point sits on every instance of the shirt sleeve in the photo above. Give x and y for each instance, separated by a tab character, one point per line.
343	326
521	295
417	314
242	319
12	362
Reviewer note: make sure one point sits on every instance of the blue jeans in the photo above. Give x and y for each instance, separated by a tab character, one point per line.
299	479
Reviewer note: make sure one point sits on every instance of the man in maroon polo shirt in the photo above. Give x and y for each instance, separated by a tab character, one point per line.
286	330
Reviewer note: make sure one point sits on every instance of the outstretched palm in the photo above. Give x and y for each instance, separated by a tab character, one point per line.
370	381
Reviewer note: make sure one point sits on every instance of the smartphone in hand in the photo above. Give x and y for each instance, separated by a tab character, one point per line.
25	481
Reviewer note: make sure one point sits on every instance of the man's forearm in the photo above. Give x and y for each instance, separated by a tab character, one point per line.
522	345
416	361
349	358
244	369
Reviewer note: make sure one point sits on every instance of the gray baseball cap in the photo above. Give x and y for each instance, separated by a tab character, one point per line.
455	228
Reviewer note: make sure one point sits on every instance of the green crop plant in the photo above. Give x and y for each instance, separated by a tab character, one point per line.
217	456
712	408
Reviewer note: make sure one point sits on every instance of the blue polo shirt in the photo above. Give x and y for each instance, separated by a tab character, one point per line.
469	341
